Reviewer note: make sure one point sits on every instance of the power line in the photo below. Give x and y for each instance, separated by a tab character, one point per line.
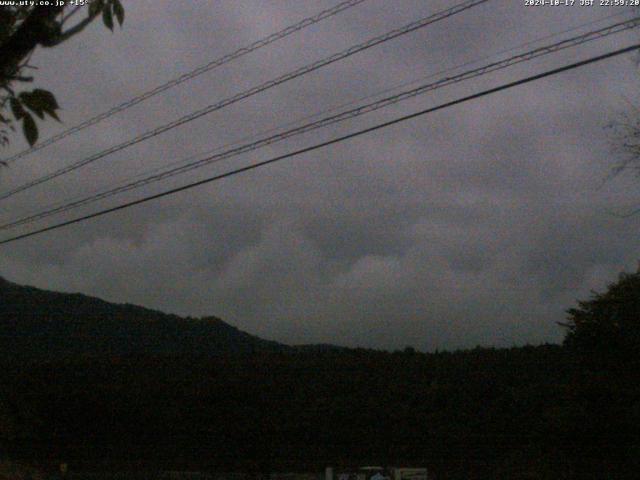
616	28
76	198
253	91
189	75
330	120
317	146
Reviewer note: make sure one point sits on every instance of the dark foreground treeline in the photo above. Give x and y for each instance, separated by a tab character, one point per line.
530	412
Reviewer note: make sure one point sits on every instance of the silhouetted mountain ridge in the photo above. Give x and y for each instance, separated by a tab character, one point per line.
36	324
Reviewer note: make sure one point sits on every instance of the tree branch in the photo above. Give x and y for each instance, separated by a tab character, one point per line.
66	35
70	14
37	28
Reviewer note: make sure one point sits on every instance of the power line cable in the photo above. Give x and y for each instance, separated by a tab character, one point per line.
317	146
349	114
253	91
341	7
330	110
357	100
617	28
239	141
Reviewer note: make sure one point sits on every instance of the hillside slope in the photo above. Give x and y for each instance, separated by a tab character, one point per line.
39	324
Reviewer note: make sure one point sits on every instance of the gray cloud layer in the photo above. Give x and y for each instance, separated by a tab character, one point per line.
480	224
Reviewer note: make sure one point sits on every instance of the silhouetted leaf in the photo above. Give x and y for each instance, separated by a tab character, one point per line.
118	11
107	18
95	7
30	129
40	102
53	115
47	98
16	108
31	103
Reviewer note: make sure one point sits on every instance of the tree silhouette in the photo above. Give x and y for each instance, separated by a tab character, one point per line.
23	28
608	324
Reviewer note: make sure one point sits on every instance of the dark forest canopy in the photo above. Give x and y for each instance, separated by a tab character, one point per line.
261	406
484	410
39	324
608	324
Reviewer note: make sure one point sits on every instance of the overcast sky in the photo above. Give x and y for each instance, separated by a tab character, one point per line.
477	225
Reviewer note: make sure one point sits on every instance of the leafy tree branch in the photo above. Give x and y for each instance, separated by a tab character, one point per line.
22	30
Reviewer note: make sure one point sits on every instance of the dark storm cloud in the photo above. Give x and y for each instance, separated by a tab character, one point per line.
478	224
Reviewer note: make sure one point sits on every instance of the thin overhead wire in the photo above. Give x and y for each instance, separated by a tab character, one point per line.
330	120
317	114
413	26
333	141
341	7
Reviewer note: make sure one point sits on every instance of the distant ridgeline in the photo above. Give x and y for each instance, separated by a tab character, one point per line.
39	324
104	387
